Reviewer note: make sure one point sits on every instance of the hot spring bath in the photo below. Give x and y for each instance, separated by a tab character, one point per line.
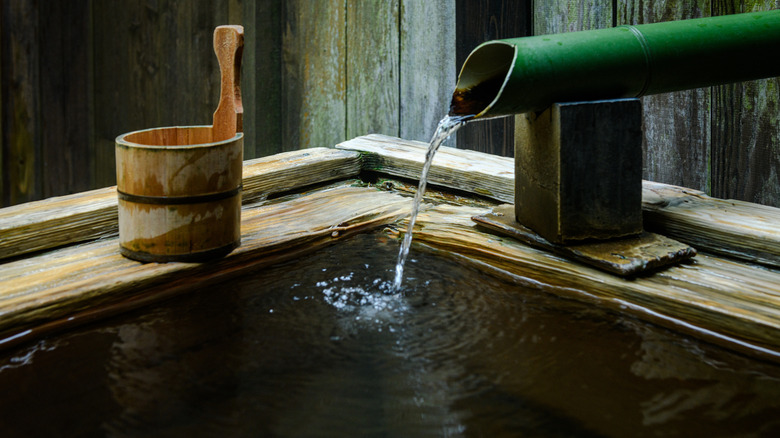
319	347
297	332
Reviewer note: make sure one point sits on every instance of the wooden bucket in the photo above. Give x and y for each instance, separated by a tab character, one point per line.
179	193
179	188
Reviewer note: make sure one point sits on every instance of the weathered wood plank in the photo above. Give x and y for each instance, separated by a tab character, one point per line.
746	141
314	74
21	114
676	126
72	280
626	257
2	118
746	129
292	170
477	22
427	66
262	78
469	171
558	16
740	229
372	67
154	66
64	95
723	301
55	222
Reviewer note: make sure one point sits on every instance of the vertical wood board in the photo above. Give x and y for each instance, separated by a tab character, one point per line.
262	80
427	66
64	93
314	73
373	51
21	113
559	16
2	119
676	126
746	129
154	66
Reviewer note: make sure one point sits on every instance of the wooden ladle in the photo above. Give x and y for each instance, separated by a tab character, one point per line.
229	47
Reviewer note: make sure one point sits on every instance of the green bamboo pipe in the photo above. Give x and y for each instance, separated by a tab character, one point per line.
518	75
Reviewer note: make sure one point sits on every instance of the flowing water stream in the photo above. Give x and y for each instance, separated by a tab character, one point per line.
447	126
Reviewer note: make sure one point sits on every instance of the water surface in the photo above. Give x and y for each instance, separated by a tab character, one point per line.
323	347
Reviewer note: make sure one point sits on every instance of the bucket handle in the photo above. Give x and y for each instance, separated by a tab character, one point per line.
229	47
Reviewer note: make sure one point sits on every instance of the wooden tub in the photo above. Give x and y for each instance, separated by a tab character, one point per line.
61	264
179	191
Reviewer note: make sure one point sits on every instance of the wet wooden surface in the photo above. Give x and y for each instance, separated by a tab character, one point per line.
470	171
54	222
629	256
70	282
719	298
741	229
724	226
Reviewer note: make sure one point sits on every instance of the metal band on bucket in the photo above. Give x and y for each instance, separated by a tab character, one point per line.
193	257
178	200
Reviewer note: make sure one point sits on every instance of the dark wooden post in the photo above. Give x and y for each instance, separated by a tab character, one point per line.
578	170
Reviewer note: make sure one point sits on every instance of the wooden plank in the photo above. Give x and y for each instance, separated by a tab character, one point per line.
154	66
559	16
626	257
557	150
728	302
723	301
746	129
314	74
741	229
2	118
745	141
470	171
65	99
262	80
676	126
74	282
293	170
55	222
236	12
427	66
21	113
372	67
477	22
187	62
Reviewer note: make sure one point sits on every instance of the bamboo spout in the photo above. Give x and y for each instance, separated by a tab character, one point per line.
513	76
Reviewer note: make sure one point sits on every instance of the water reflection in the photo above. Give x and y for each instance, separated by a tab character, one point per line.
324	347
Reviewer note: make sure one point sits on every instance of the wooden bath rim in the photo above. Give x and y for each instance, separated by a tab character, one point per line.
72	274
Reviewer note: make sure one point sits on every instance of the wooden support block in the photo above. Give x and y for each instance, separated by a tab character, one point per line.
629	256
578	170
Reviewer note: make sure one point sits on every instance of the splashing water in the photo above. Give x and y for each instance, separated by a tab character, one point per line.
447	126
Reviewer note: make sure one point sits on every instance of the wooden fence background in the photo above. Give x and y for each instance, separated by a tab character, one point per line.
75	74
